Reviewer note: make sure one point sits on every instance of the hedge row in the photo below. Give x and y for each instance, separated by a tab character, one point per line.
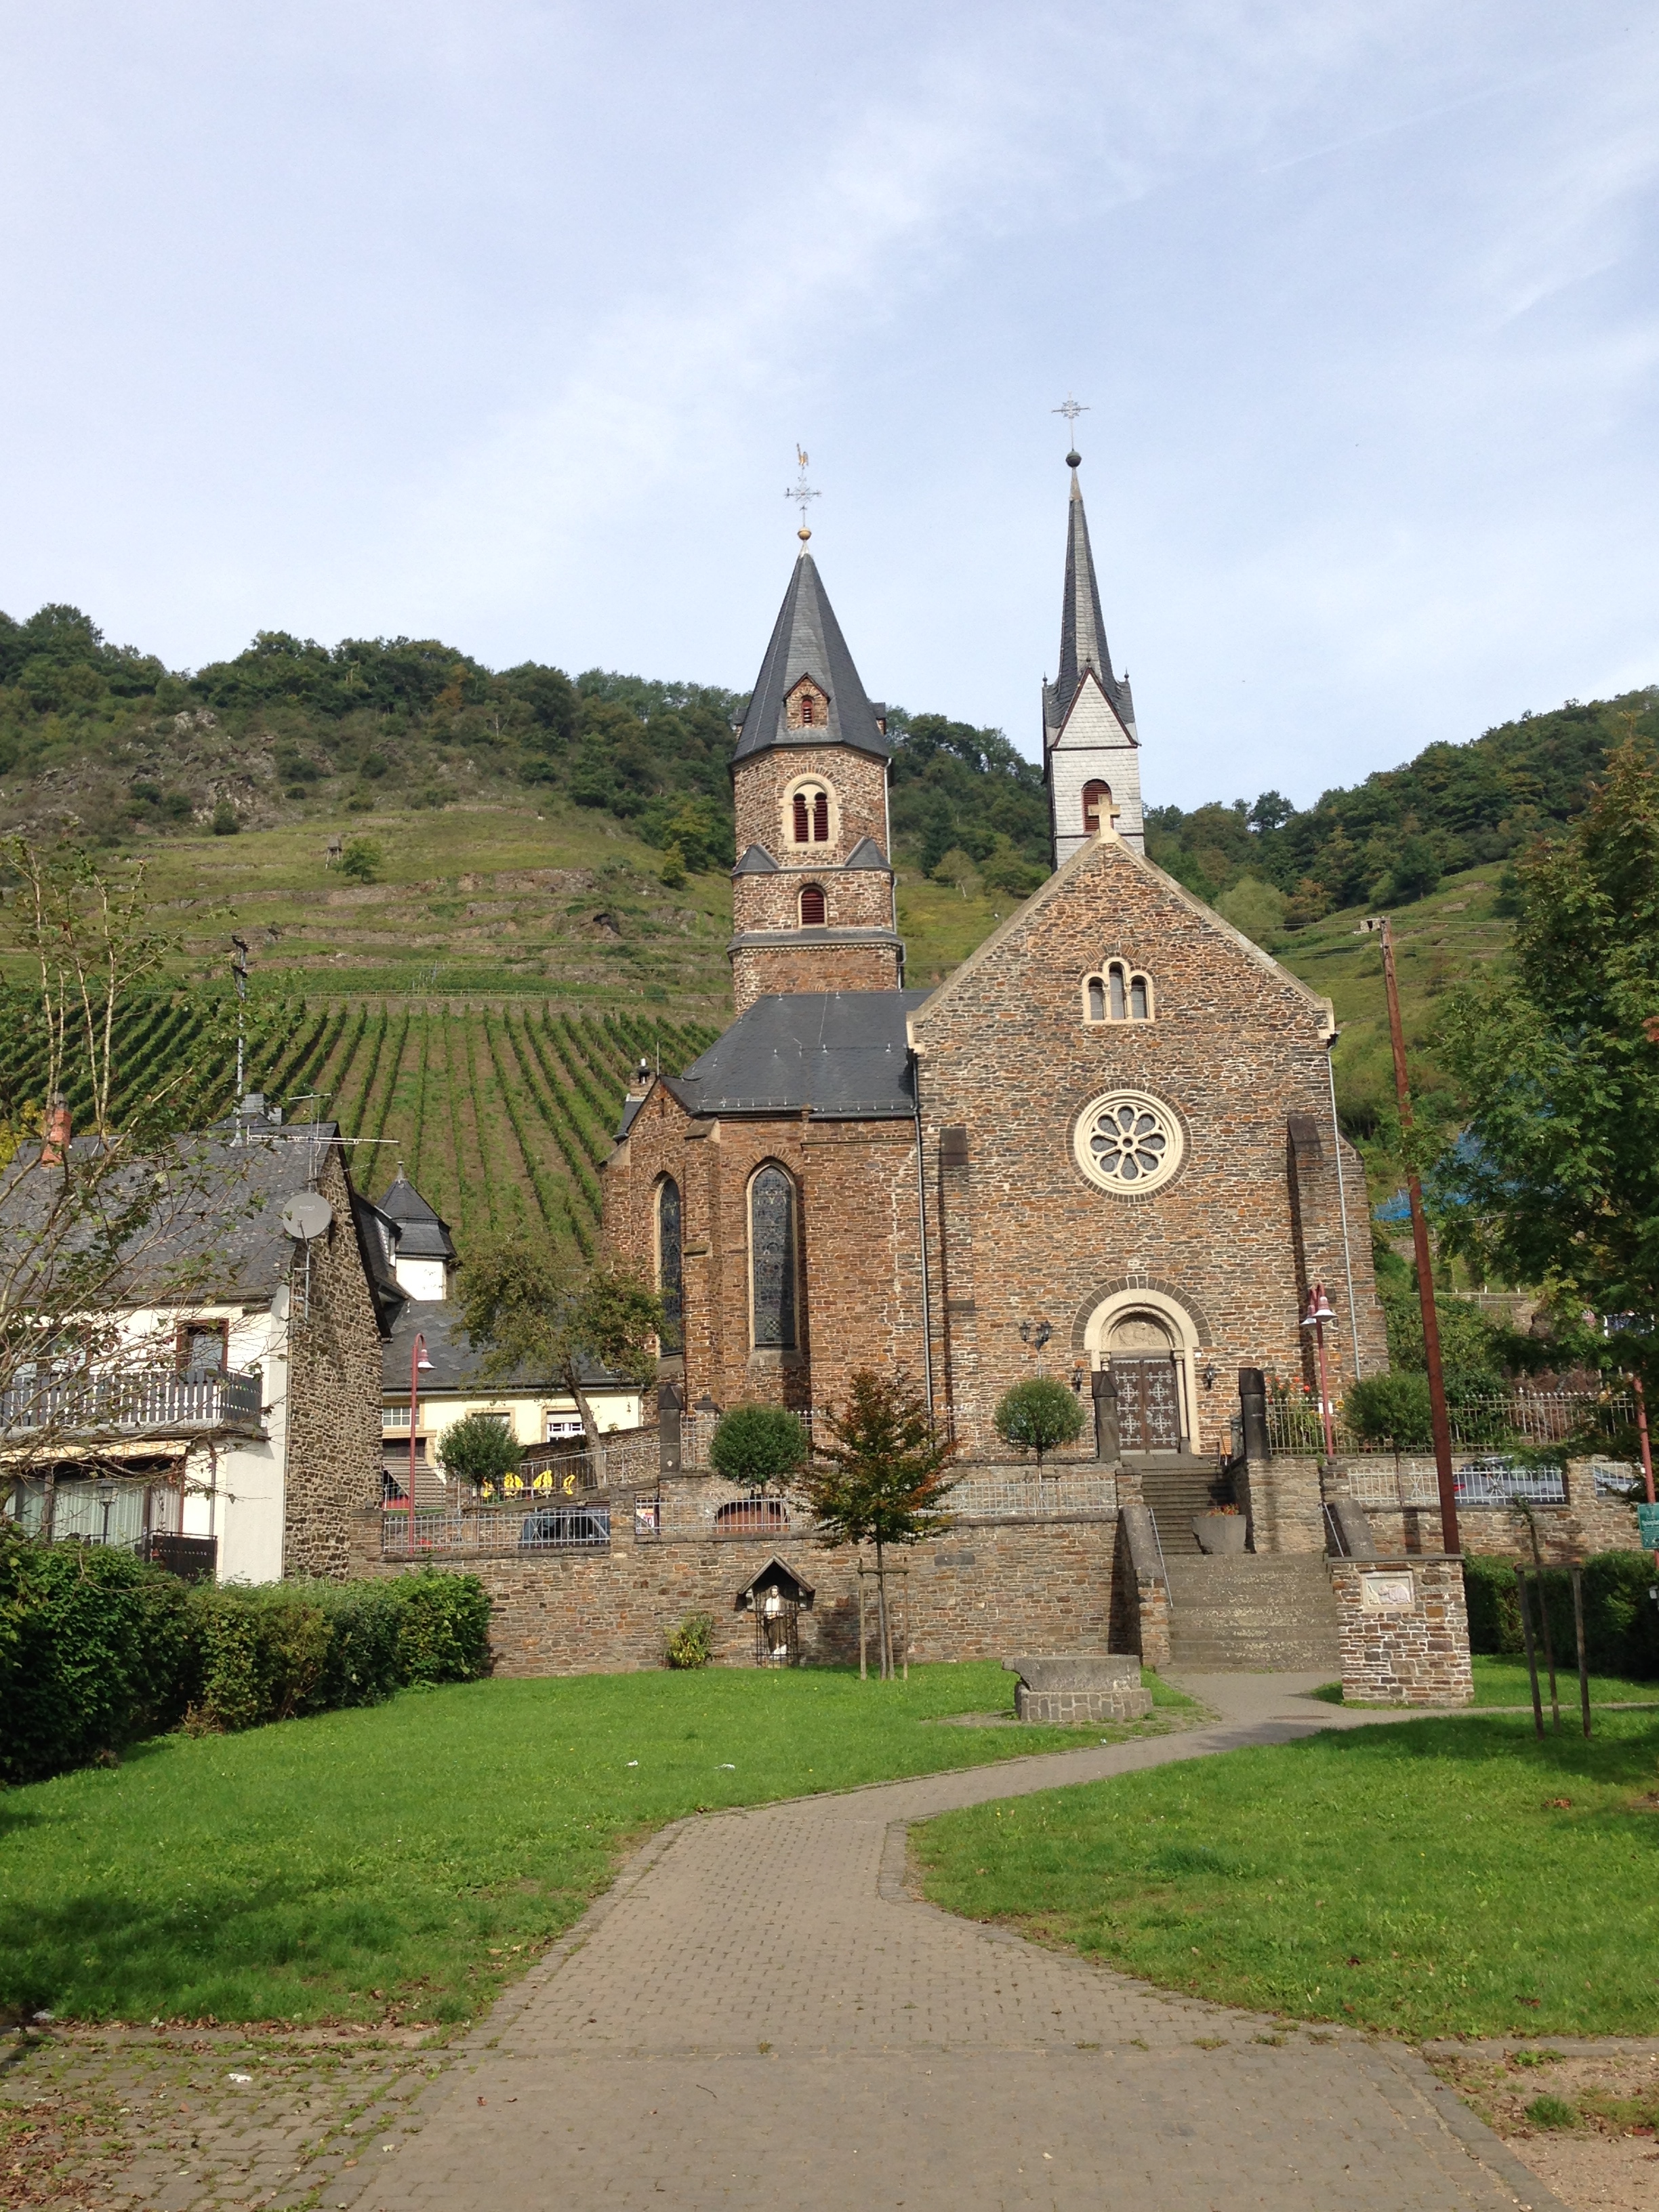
1622	1621
97	1649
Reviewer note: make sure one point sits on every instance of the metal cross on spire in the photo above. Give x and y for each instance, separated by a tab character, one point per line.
1071	409
802	493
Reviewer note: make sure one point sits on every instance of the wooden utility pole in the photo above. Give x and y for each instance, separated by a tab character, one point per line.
1443	1461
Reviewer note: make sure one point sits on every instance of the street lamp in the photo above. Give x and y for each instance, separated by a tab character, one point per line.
418	1362
1319	1312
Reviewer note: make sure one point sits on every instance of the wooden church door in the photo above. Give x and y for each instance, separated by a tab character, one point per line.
1148	1401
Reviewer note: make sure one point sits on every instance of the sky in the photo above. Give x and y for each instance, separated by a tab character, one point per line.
500	322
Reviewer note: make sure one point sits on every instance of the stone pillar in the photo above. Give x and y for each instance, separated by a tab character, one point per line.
1108	1447
1253	1405
1405	1632
669	1403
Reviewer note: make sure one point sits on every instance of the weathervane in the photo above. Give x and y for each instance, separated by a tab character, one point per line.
802	493
1071	409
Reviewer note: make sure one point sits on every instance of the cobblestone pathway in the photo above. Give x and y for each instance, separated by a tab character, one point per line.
758	2016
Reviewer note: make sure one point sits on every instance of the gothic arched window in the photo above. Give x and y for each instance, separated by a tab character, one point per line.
1097	807
772	1259
670	1283
812	906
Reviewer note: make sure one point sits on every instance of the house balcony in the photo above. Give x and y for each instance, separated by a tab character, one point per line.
151	1403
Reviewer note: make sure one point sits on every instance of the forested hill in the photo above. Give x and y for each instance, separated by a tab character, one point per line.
1391	838
106	743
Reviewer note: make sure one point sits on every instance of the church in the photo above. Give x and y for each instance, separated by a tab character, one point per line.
1105	1147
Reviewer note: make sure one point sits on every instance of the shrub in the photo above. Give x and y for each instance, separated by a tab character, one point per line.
478	1450
96	1649
360	860
692	1643
1621	1622
1037	1414
672	871
756	1444
226	820
1389	1409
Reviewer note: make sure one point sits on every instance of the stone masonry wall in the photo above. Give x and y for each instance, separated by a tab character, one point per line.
986	1590
856	1190
759	970
1415	1656
333	1471
856	782
853	898
1585	1524
1018	1235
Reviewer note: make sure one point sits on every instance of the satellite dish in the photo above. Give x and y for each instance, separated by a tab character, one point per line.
307	1216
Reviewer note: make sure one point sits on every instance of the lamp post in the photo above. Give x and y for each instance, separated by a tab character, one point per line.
1319	1312
417	1363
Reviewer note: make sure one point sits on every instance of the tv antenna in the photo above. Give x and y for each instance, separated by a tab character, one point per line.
238	960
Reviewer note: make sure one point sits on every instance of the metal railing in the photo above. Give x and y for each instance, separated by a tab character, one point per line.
152	1401
497	1532
1505	1420
1491	1483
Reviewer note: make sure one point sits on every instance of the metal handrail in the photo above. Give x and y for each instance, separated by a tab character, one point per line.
1169	1595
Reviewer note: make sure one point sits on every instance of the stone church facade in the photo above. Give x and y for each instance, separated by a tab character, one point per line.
1105	1147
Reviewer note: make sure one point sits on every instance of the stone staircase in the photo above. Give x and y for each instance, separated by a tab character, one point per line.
1175	1487
1258	1613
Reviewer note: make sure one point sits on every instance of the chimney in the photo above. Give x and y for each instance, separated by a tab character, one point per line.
55	1144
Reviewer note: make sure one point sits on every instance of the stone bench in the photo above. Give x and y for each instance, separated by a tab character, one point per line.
1079	1685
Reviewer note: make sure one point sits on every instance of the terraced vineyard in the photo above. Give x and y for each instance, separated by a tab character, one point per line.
497	1112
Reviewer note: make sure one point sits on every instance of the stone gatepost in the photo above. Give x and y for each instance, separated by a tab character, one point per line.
1404	1630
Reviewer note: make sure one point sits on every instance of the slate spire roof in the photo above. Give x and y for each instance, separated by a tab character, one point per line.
1082	626
421	1234
806	641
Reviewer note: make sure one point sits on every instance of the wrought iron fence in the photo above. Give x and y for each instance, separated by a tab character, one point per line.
1493	1483
495	1531
1033	1496
155	1400
1501	1421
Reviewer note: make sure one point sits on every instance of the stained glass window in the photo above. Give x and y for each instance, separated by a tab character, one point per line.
772	1259
669	1285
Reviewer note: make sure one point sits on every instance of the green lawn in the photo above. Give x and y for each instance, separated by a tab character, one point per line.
1435	1877
1505	1682
404	1862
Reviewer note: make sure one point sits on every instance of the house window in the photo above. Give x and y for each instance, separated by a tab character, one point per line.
772	1259
204	1347
1097	807
812	907
669	1281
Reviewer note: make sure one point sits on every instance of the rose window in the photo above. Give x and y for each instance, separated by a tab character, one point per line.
1127	1142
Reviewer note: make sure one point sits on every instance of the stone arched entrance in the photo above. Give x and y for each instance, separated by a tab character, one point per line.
1147	1340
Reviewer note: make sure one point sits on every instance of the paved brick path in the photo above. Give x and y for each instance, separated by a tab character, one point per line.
757	2015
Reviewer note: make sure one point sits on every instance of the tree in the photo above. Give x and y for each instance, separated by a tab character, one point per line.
362	861
1556	1180
757	1444
533	1308
1037	1414
479	1449
880	1479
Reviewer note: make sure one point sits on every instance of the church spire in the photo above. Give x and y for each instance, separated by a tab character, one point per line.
1091	751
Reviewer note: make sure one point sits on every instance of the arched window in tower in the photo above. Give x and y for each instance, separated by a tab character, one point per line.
772	1259
803	824
821	817
806	707
670	1281
812	907
1097	807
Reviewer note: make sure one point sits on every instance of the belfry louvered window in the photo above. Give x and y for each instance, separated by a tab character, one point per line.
772	1259
812	906
670	1284
821	817
803	819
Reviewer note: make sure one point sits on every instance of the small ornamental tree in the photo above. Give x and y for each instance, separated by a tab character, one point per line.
1037	1414
879	1477
757	1444
479	1449
361	861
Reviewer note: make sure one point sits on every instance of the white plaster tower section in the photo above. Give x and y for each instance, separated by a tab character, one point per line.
1091	753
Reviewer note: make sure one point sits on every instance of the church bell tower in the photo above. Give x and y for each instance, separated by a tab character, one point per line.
1091	754
813	892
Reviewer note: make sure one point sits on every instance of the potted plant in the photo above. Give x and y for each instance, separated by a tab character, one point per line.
1223	1528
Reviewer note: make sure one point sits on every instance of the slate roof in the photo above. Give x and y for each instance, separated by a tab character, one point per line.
844	1054
420	1232
757	862
806	641
1082	626
458	1365
866	854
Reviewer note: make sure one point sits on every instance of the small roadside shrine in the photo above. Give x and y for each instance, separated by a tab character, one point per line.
776	1597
